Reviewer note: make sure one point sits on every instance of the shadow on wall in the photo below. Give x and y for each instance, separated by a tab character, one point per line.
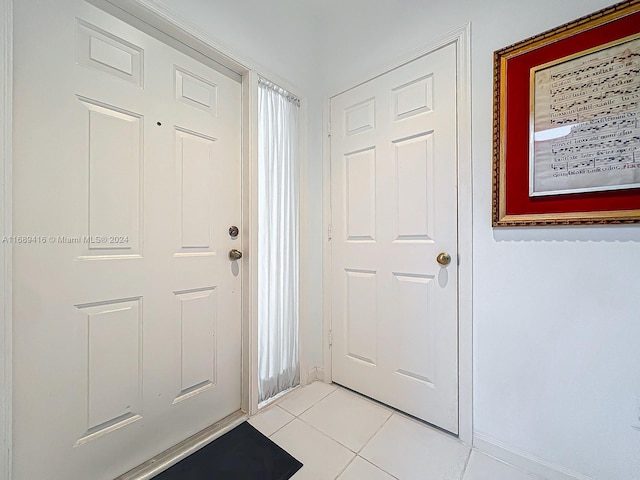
595	233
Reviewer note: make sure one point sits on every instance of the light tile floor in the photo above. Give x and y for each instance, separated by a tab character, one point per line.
340	435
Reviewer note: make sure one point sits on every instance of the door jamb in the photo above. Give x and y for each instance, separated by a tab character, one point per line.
461	38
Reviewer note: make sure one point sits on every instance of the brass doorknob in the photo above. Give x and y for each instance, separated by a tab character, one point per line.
235	254
443	259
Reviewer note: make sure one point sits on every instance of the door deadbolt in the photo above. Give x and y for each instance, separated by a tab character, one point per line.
233	231
235	254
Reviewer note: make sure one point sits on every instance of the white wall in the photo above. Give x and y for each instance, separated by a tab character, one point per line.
556	317
556	322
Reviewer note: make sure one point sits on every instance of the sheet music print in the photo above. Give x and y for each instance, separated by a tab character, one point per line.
587	123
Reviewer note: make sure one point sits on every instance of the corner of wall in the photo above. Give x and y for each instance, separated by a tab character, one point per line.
316	373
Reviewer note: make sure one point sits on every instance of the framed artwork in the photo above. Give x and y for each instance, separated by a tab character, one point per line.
566	123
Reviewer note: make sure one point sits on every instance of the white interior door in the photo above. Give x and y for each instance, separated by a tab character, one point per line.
127	177
394	210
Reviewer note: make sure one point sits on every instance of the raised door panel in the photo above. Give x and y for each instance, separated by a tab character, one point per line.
361	316
103	51
197	314
114	138
414	178
360	195
195	176
113	362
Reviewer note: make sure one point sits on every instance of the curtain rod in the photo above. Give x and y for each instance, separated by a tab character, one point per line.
276	88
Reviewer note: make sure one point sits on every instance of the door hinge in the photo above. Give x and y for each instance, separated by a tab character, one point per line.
329	233
328	129
330	338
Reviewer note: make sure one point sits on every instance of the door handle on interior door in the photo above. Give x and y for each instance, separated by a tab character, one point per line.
235	254
443	259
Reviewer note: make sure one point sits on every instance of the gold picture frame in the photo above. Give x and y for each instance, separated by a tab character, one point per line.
553	93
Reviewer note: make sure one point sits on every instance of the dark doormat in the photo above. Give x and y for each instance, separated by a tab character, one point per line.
240	454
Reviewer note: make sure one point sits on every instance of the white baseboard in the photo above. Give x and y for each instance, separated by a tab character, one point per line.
316	373
524	460
312	375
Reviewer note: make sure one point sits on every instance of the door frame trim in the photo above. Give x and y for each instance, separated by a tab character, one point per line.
170	25
461	38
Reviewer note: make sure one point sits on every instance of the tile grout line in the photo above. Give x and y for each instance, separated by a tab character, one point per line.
328	436
466	464
379	468
374	434
285	424
345	467
312	405
356	452
297	417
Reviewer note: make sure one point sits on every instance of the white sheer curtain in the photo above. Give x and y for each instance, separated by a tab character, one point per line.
277	240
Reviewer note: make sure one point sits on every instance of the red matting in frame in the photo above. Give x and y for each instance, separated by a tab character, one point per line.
516	118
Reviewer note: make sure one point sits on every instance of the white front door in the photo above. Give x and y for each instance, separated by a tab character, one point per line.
127	175
394	210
